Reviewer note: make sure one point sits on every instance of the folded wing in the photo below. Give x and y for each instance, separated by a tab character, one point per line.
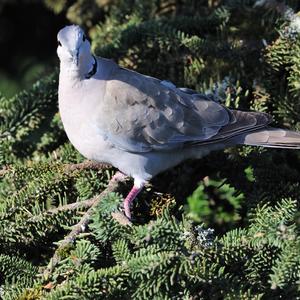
140	114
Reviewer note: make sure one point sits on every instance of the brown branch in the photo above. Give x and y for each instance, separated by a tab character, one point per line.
121	218
80	227
87	164
68	207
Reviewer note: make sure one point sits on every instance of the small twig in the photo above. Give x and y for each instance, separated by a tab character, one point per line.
81	226
68	207
121	218
88	164
4	171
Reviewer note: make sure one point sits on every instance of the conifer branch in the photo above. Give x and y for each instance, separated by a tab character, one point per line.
68	207
81	226
87	164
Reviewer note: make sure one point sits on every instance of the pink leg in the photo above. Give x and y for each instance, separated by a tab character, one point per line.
128	200
137	187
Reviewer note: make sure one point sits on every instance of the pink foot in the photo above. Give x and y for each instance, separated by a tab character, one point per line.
130	197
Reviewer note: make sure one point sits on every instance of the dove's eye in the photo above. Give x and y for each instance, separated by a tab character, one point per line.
58	43
83	38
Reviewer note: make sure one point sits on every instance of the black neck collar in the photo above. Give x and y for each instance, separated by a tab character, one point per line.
94	69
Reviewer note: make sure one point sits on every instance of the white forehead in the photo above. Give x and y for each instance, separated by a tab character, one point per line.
70	36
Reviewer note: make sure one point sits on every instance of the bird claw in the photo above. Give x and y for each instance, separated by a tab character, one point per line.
119	176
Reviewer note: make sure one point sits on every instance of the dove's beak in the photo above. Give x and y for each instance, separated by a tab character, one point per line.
75	56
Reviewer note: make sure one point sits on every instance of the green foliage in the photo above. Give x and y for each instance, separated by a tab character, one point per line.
25	118
168	258
16	271
217	200
238	234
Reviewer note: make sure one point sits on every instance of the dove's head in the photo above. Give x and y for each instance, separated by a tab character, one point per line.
73	46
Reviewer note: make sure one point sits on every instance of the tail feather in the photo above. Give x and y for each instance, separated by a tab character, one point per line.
251	128
271	137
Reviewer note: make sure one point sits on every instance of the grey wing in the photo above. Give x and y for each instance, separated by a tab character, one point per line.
139	114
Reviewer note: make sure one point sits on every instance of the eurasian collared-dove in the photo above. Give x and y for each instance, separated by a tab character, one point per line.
142	125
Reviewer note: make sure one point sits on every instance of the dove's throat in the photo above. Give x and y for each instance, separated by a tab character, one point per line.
77	70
